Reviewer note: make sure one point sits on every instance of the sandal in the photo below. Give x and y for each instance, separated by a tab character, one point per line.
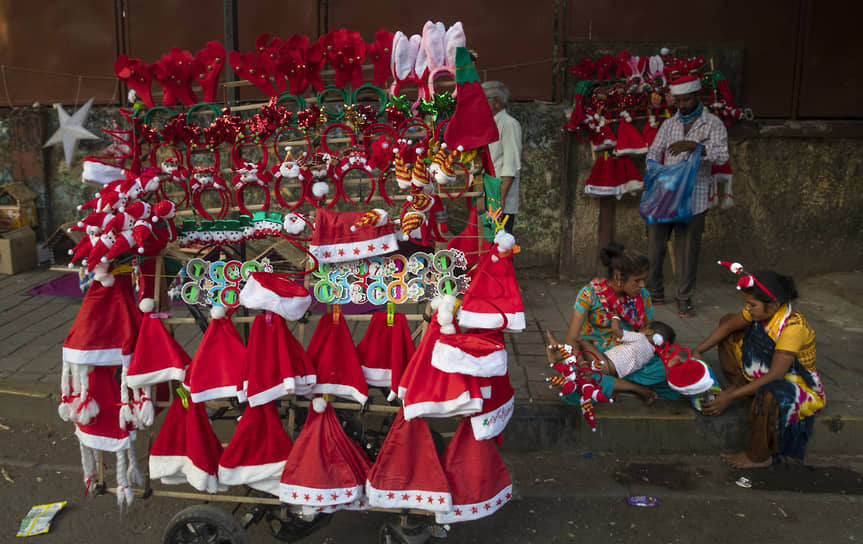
686	311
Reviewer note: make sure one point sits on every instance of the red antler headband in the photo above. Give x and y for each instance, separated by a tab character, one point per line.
746	281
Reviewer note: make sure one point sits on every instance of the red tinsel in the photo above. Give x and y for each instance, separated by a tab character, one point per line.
178	130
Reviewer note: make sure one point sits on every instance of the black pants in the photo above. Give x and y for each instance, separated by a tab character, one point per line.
510	223
687	246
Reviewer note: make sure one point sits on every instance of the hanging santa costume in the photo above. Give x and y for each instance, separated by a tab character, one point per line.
408	471
334	357
385	350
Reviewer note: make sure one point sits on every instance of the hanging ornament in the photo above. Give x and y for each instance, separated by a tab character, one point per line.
71	130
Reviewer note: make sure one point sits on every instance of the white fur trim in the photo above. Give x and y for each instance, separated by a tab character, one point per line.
378	377
158	376
256	297
630	151
329	253
224	392
96	357
296	494
262	477
102	174
200	479
276	392
490	424
470	512
340	390
104	443
168	468
455	361
630	186
702	385
459	406
685	88
476	320
441	502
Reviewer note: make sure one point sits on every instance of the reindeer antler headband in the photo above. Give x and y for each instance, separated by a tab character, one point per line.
746	280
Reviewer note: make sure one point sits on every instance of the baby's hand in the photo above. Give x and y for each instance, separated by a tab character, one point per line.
616	329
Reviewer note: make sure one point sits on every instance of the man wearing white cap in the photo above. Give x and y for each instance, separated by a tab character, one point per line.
677	137
506	151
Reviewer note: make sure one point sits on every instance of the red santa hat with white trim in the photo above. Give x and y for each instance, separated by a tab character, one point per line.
158	357
688	377
407	472
477	476
629	140
257	452
493	290
496	411
325	467
216	369
106	328
334	357
277	293
186	449
385	350
275	363
685	85
348	236
469	353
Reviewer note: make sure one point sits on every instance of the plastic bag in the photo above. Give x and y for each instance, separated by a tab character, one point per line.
668	189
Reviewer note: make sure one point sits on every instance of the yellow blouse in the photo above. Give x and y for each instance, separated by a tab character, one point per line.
796	337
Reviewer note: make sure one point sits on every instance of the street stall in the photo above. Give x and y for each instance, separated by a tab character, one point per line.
355	179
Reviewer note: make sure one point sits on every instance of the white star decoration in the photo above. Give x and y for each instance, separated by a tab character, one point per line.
71	130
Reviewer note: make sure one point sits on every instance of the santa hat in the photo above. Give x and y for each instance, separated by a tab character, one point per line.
186	449
688	377
627	178
334	357
407	472
472	125
472	354
276	293
334	241
325	467
215	370
494	290
650	130
477	476
602	180
469	240
496	411
275	363
158	357
429	392
602	138
385	350
685	85
629	140
106	328
257	452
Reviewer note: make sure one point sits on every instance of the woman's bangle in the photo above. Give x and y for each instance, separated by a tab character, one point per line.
617	317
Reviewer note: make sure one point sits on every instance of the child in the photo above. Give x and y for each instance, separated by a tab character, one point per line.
635	349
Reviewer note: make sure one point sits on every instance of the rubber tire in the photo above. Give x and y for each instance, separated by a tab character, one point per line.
225	527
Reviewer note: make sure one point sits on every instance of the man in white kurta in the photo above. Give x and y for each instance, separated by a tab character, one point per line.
506	152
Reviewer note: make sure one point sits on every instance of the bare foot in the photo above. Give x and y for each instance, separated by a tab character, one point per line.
740	460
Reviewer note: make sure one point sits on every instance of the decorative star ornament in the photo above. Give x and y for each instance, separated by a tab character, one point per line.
71	130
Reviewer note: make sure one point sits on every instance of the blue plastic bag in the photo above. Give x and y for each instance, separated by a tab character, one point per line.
667	196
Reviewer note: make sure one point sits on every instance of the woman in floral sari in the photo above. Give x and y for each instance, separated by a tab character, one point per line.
768	351
607	306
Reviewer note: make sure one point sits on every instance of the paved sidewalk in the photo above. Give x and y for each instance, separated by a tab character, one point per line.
32	330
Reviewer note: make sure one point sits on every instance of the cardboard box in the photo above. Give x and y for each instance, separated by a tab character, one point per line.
17	250
17	206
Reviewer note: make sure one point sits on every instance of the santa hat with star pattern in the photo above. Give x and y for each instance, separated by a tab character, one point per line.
334	241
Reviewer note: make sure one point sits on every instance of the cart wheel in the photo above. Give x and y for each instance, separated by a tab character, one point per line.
204	524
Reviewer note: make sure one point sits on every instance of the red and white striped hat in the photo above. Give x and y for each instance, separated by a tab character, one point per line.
216	369
158	357
334	357
385	350
408	471
479	487
257	452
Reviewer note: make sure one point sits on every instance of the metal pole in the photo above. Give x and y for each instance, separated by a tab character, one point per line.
232	43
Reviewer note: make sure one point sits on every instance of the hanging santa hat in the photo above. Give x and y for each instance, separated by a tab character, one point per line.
275	363
257	452
334	241
472	125
158	357
477	476
685	85
385	350
325	467
106	328
493	290
629	140
688	377
407	472
186	449
472	354
334	357
429	392
650	130
277	293
216	369
469	240
602	138
496	411
602	180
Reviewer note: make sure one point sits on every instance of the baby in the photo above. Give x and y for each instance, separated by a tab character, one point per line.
636	349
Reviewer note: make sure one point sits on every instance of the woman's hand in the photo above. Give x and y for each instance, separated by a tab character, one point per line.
719	404
616	329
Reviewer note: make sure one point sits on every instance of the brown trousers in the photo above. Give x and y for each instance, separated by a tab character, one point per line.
763	442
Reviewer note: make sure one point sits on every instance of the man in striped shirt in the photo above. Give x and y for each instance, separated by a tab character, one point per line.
678	136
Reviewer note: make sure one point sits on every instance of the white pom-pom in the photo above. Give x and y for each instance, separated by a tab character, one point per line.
448	329
107	280
353	228
146	305
69	252
79	207
504	240
147	414
495	258
140	250
664	51
126	416
320	189
65	411
460	148
435	303
319	405
218	312
410	198
155	219
658	340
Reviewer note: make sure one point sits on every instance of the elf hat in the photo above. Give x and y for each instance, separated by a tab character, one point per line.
276	293
334	357
325	467
477	476
689	377
334	241
494	290
158	357
257	452
472	125
472	354
275	363
407	472
629	140
420	176
685	85
215	370
602	180
106	328
627	178
496	411
385	350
